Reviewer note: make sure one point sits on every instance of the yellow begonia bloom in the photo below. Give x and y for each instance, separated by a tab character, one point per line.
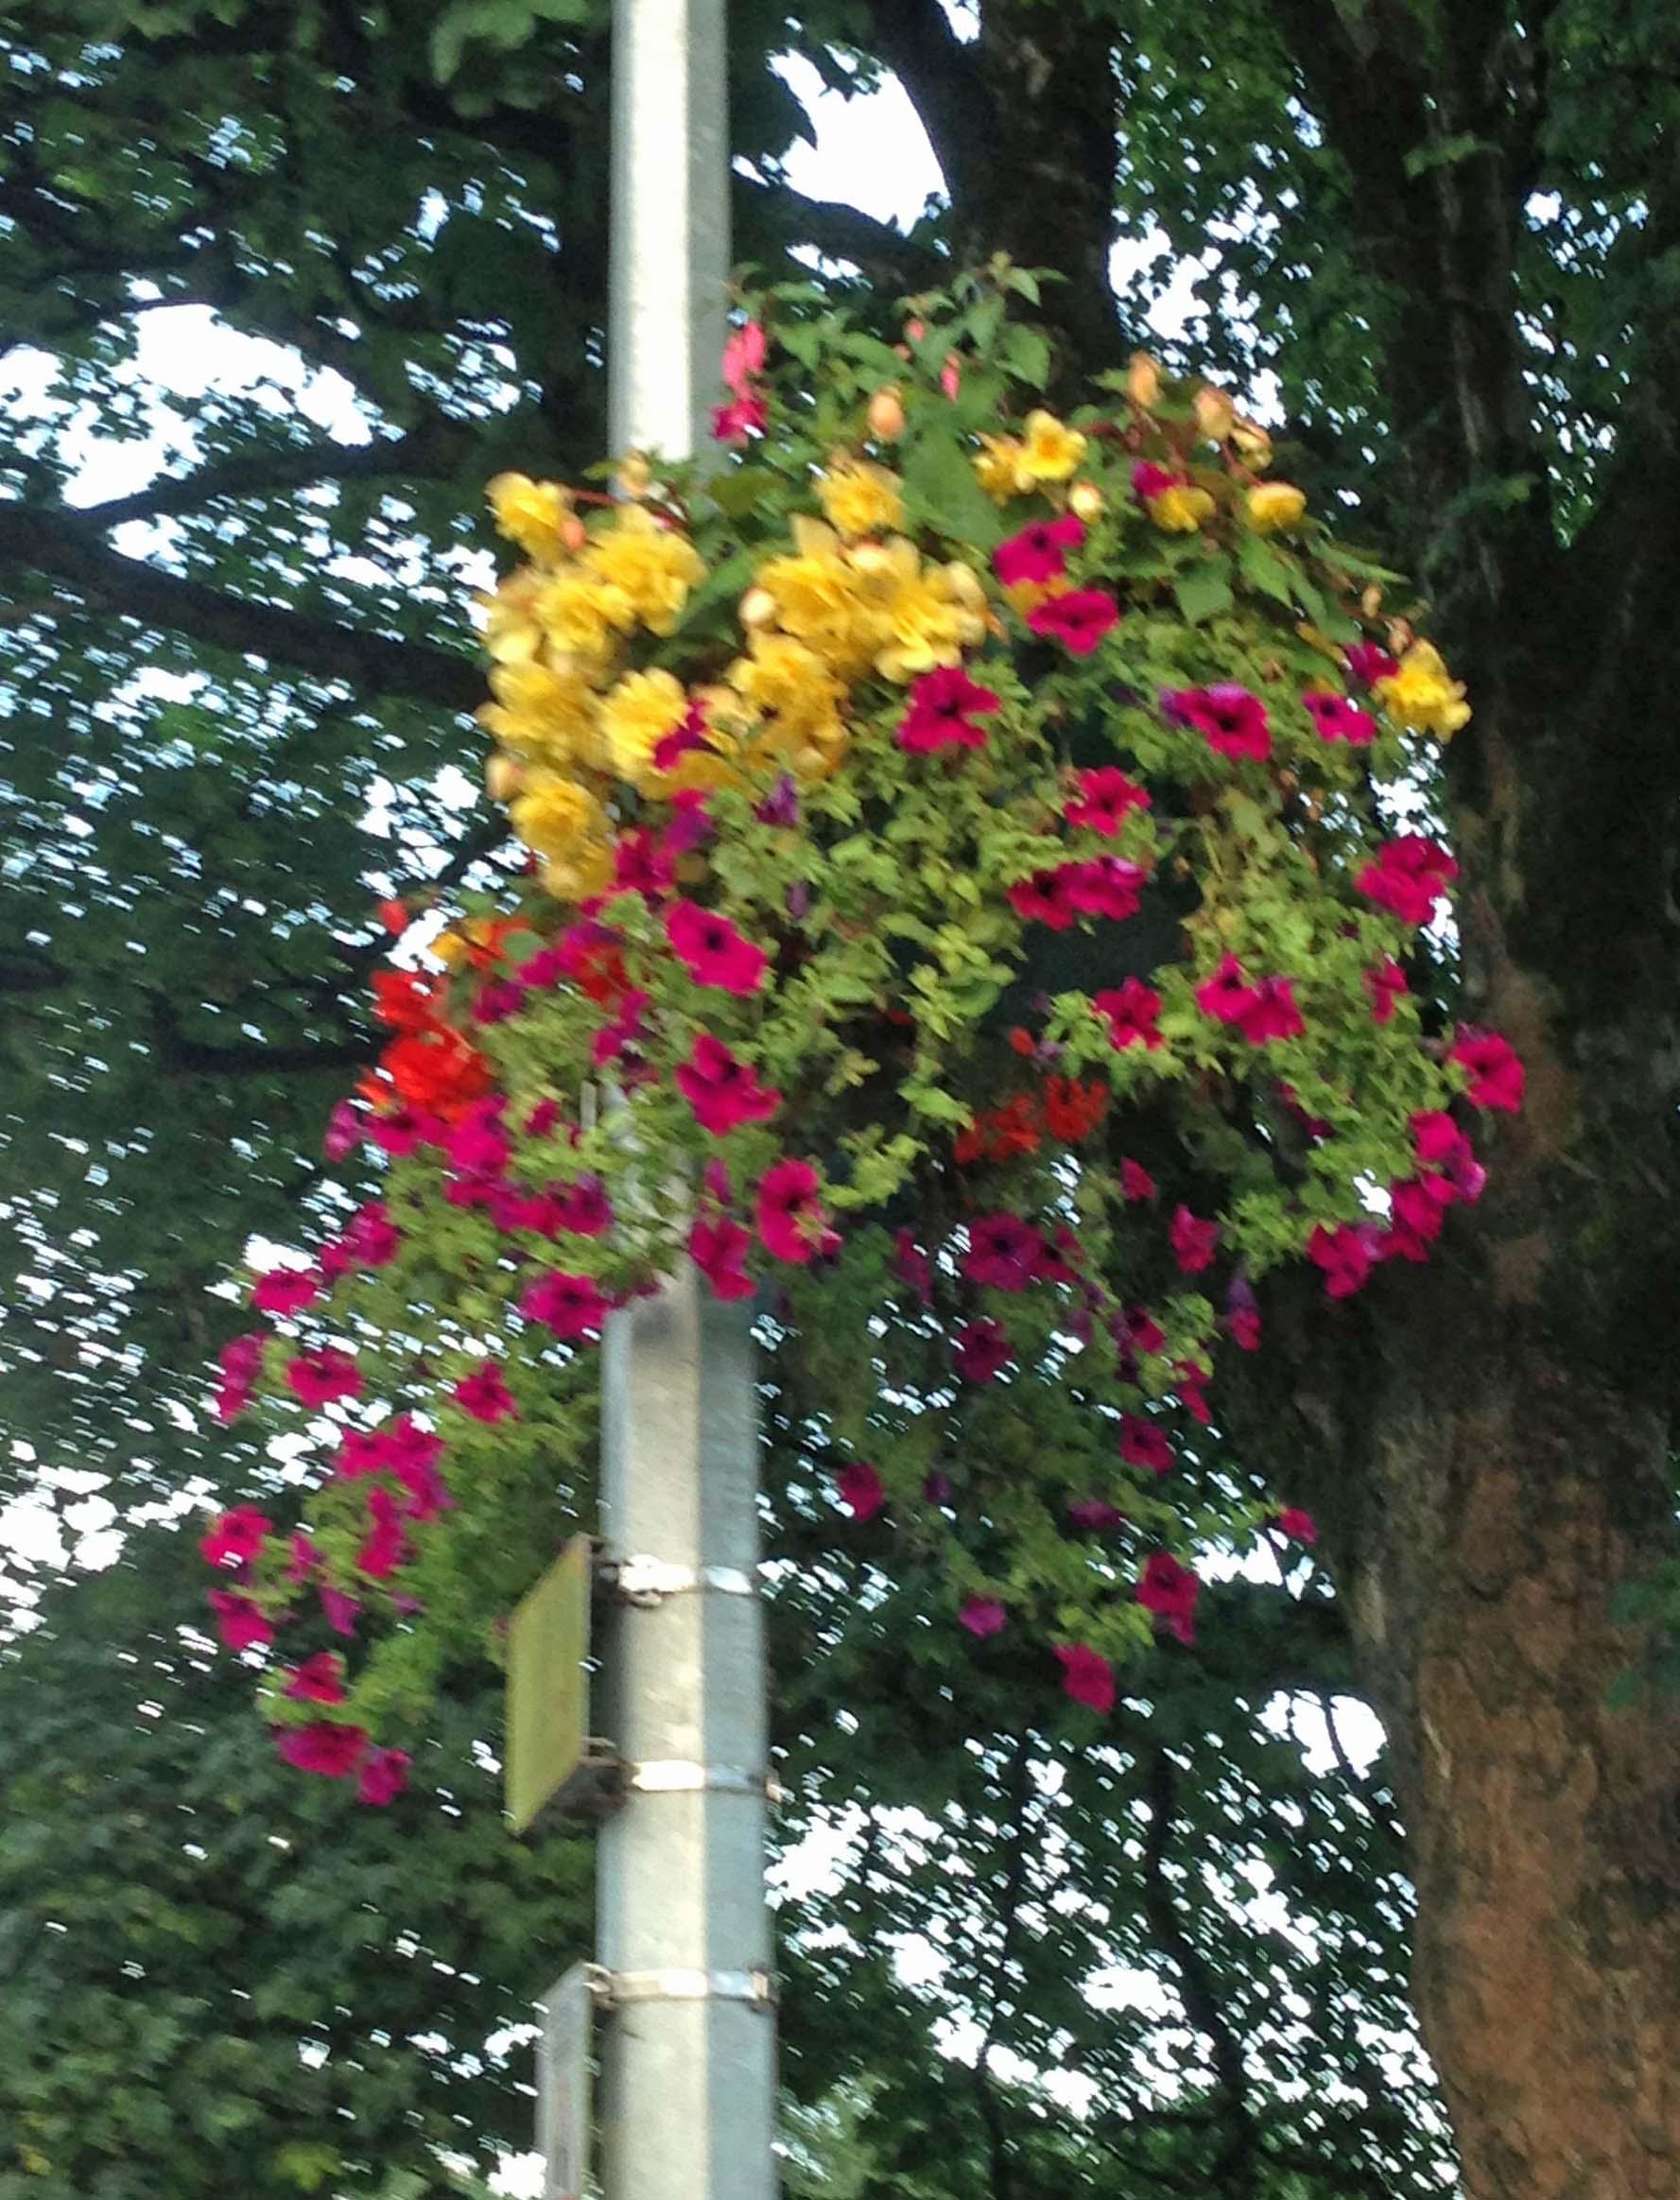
822	600
512	632
586	870
1181	509
1422	695
784	680
553	815
998	468
543	712
652	567
531	513
583	616
1052	450
1273	506
860	499
636	716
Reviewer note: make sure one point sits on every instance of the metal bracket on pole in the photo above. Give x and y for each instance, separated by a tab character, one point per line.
645	1582
677	1776
621	1989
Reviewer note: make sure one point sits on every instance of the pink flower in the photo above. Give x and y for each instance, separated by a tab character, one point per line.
1095	1515
1192	1239
983	1616
1150	480
544	1118
384	1776
241	1363
339	1609
1107	800
744	351
1408	878
1497	1075
1077	619
319	1680
571	1306
384	1549
372	1239
721	1089
1369	662
1193	1391
982	1350
1232	721
317	1378
911	1265
1334	718
732	424
1226	995
861	1490
1047	898
1386	984
1035	553
1129	1012
323	1746
1106	886
789	1214
343	1132
1346	1253
304	1560
1003	1251
944	704
1417	1208
485	1396
616	1038
719	1248
1242	1314
1136	1181
1171	1590
1086	1676
1272	1014
580	1209
241	1623
238	1534
639	866
714	952
285	1291
1143	1445
1298	1526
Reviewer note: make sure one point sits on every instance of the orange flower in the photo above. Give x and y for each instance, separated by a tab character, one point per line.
1072	1110
404	1001
434	1071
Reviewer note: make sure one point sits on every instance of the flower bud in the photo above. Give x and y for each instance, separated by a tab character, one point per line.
886	415
950	374
1143	381
573	534
1215	416
635	476
758	608
1084	500
503	778
1254	445
1275	506
914	331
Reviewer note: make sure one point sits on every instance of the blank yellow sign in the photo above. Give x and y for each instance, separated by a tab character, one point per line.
548	1689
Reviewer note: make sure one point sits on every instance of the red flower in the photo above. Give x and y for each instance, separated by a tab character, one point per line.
238	1534
742	417
1408	878
911	1265
1385	984
983	1616
789	1214
1003	1251
861	1490
1129	1012
285	1291
1106	886
998	1133
1077	619
1272	1014
323	1746
1086	1676
1334	718
384	1549
241	1623
1035	553
1071	1110
1298	1526
1047	898
1107	800
944	704
434	1073
1136	1181
571	1306
982	1350
1497	1075
1368	661
240	1362
721	1089
714	952
1232	721
1193	1240
384	1776
1171	1590
1092	1515
1418	1208
484	1395
1226	997
1346	1253
404	1001
1143	1445
317	1378
319	1680
718	1249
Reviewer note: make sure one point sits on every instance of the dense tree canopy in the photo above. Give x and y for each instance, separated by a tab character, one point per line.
1443	242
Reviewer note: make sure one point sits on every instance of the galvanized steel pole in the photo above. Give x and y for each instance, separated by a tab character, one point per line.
688	2053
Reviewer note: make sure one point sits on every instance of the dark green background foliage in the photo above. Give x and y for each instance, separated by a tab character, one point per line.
218	742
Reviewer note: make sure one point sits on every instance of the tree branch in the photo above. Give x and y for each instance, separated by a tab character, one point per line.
888	260
942	76
263	473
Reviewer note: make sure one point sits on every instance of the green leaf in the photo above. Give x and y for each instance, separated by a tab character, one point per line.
1204	590
939	477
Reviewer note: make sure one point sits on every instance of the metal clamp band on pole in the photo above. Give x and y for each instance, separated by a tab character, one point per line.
678	1776
641	1580
621	1989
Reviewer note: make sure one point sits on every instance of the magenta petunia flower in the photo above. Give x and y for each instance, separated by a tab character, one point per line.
1497	1074
1437	1139
788	1212
1169	1591
386	1546
1036	552
721	1088
1226	997
339	1609
1106	886
285	1291
1004	1253
738	421
372	1239
1047	898
1369	662
1232	721
780	807
1272	1014
343	1132
323	1746
1386	985
240	1362
544	1119
1095	1516
1407	876
616	1038
1298	1526
1334	718
1136	1181
944	704
237	1534
1077	619
981	1351
1193	1240
641	866
714	951
1242	1314
1346	1253
484	1395
1417	1210
571	1306
319	1680
384	1776
317	1378
1129	1012
984	1617
1086	1676
240	1622
1106	799
911	1265
1150	480
861	1490
1142	1444
719	1248
580	1209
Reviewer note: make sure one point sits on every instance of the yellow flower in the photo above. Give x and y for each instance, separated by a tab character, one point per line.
636	716
1084	500
586	870
583	616
1181	509
1053	451
784	680
512	632
860	499
998	468
1422	695
531	513
652	566
552	815
1275	506
544	712
821	599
